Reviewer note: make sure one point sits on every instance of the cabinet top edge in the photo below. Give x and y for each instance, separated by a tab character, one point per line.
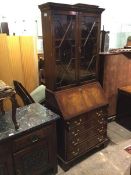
76	7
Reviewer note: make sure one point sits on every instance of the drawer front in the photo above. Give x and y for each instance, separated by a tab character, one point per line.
101	123
95	116
31	138
84	147
76	138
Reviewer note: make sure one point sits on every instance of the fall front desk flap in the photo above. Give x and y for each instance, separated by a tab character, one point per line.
80	99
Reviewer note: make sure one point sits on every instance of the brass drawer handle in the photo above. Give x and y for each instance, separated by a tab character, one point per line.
67	123
100	130
77	131
34	139
100	139
76	153
76	143
98	114
78	122
74	134
100	122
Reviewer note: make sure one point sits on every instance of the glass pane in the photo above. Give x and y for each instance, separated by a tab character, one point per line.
89	36
64	27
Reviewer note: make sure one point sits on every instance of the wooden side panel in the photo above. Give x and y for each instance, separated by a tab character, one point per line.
5	69
15	58
18	61
49	58
117	73
29	60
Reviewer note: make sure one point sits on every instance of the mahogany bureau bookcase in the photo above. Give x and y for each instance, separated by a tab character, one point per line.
30	150
71	37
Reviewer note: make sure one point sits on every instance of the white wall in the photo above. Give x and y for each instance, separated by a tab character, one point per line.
25	15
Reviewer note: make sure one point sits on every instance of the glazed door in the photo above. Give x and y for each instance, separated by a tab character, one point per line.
65	47
89	46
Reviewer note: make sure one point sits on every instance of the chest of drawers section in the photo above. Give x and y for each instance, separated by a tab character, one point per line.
82	133
83	124
85	133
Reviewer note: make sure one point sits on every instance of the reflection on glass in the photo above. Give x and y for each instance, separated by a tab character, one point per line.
64	27
65	48
89	34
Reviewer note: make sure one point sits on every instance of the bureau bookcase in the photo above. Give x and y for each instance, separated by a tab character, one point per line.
71	37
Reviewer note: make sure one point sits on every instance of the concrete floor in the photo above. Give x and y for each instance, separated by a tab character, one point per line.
113	160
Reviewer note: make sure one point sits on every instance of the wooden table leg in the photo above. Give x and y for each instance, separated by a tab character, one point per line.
14	104
1	107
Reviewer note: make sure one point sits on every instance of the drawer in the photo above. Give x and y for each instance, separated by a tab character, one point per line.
87	125
74	139
97	115
84	147
31	138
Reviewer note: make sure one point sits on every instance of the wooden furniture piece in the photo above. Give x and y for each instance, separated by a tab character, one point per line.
8	92
83	124
84	121
22	92
104	41
31	149
71	35
123	111
37	95
115	72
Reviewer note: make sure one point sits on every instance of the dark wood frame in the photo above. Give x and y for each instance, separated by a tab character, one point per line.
47	12
65	155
